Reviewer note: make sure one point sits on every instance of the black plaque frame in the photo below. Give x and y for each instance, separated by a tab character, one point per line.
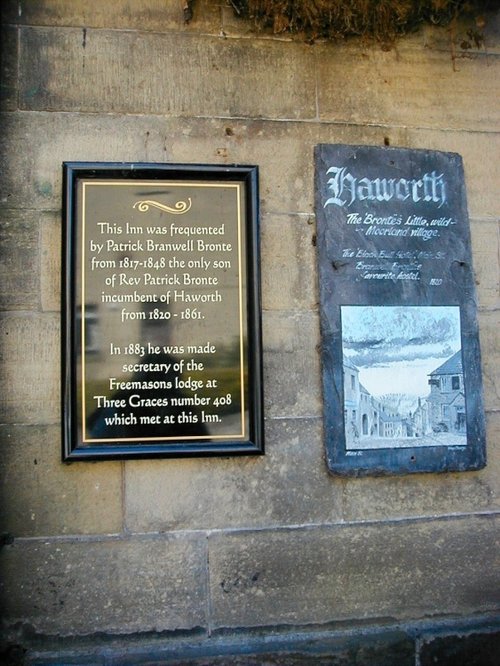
394	246
83	212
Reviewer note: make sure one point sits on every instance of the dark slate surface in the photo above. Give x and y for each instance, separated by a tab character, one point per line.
393	230
479	649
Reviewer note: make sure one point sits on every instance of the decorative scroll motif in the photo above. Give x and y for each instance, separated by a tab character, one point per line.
180	207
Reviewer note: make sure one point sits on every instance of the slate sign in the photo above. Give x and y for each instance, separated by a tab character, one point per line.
162	343
400	349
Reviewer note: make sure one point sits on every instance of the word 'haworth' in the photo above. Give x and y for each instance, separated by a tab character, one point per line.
430	188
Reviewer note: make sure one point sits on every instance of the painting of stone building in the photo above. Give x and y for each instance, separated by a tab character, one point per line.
447	396
403	377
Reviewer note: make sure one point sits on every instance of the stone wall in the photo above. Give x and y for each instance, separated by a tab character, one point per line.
207	546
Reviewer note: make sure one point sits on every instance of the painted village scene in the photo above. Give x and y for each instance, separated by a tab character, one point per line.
403	377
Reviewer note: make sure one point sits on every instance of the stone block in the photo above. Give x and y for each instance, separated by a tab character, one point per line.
32	170
144	15
473	649
383	646
479	151
439	39
418	495
50	262
30	383
41	497
354	572
19	238
8	72
64	659
109	586
396	83
230	493
171	74
284	151
271	648
234	24
288	262
485	243
292	377
490	358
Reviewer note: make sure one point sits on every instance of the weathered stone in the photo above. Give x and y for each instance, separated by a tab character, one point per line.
19	238
400	570
379	498
132	72
8	73
146	15
39	496
32	171
396	83
490	358
328	646
458	43
481	168
30	383
288	262
291	342
389	649
486	250
111	586
473	649
238	492
50	262
234	24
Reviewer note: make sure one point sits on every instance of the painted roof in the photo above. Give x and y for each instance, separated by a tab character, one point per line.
458	400
349	364
453	366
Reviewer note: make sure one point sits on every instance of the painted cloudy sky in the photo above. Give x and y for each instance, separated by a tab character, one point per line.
395	348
